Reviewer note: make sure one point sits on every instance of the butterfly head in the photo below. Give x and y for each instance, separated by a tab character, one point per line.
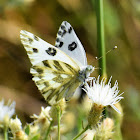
88	70
85	72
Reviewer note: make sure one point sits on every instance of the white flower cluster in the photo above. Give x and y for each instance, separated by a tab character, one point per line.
6	110
103	94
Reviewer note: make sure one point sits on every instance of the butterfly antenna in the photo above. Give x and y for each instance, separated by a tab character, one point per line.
97	68
115	47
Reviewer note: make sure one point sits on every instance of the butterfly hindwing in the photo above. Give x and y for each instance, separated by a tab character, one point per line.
55	79
68	42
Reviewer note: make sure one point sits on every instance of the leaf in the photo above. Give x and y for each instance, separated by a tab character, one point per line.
36	137
27	129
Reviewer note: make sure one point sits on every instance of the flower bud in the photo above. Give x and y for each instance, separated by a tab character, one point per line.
95	114
105	130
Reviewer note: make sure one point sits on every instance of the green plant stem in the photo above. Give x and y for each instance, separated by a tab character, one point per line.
48	131
5	134
87	127
117	135
101	37
58	118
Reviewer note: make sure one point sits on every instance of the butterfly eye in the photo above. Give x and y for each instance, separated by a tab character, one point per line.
90	68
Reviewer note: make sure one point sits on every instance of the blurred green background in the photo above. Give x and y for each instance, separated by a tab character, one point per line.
43	18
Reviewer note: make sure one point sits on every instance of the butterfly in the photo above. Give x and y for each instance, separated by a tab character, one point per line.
57	70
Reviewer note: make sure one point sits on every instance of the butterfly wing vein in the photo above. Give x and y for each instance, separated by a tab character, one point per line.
55	79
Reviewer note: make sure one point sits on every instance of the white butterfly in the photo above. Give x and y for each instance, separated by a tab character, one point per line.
57	70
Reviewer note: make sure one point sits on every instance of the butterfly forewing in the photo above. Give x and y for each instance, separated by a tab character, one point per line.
38	50
68	42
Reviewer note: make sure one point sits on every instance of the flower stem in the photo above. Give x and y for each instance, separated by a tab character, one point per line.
58	118
87	127
46	137
5	134
101	37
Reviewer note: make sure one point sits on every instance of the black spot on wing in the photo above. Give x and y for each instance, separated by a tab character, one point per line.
46	63
62	31
46	84
57	40
35	50
65	22
63	27
45	91
59	33
51	51
70	68
70	30
61	44
39	70
38	82
36	38
52	94
30	40
58	66
72	46
40	76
